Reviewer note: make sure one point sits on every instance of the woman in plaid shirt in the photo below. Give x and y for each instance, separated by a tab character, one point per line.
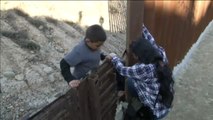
150	79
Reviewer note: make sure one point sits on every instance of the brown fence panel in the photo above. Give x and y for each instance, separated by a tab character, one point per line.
135	14
106	88
84	101
176	25
95	99
64	108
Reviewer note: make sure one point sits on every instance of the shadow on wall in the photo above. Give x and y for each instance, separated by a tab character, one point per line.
175	25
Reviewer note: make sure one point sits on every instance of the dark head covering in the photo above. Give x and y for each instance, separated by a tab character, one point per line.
145	51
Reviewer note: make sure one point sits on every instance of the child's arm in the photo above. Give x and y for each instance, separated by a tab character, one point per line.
65	71
103	56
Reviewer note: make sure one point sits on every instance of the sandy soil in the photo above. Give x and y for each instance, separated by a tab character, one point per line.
31	48
194	85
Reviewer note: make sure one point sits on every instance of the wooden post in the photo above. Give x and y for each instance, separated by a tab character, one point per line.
135	11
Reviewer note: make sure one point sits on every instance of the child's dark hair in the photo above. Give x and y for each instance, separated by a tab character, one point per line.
148	54
95	33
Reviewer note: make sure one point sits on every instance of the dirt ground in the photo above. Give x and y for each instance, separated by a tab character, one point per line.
194	85
31	48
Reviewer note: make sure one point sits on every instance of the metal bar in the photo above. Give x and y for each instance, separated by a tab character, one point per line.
135	10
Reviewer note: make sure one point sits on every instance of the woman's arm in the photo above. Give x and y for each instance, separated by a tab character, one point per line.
137	71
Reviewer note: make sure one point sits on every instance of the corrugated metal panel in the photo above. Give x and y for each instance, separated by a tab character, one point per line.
134	24
95	99
176	25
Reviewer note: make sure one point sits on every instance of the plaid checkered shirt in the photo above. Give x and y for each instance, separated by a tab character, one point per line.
144	79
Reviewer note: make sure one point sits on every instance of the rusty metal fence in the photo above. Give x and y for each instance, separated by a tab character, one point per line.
175	25
95	99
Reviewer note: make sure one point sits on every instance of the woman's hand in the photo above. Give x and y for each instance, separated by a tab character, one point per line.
110	56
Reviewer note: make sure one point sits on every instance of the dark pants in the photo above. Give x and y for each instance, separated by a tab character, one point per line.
141	113
120	82
131	88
